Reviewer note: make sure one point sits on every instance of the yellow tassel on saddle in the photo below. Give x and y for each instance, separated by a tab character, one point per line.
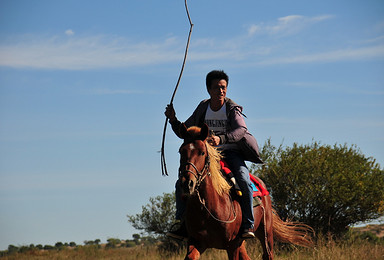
236	186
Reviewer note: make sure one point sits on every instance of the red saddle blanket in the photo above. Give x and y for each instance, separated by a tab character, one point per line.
258	191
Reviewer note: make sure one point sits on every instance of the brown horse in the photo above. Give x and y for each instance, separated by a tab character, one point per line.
212	217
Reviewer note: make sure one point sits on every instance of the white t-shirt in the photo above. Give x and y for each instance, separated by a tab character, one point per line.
217	121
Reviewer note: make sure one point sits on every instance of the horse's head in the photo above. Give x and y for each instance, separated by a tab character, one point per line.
194	160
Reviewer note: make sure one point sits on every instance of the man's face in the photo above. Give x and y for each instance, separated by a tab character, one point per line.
218	90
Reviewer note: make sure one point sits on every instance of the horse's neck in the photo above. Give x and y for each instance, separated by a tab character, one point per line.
207	191
220	207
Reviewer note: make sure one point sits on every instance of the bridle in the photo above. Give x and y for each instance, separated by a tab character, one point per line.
199	175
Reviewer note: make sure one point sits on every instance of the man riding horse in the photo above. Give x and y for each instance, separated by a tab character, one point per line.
231	136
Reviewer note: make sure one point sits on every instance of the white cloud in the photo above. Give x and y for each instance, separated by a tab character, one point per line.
379	39
87	53
254	29
94	52
362	53
69	32
286	25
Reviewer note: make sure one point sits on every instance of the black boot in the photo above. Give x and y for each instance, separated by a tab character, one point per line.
247	233
178	231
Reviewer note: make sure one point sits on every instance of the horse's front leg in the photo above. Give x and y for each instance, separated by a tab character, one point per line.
194	251
243	252
237	251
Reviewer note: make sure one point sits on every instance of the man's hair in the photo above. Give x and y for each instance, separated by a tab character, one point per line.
215	74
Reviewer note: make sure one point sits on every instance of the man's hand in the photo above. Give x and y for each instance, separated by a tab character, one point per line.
213	140
170	113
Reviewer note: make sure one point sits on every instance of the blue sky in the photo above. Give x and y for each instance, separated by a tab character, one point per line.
84	84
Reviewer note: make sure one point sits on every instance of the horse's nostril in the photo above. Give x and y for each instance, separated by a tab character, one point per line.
191	186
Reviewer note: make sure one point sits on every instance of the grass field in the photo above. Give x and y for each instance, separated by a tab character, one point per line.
323	250
366	243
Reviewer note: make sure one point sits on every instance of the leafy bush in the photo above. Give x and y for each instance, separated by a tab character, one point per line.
157	216
326	187
12	249
130	244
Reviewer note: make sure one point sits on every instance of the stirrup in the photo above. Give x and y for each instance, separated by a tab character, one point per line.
248	233
180	233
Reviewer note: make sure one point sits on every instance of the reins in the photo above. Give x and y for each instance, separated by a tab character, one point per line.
210	213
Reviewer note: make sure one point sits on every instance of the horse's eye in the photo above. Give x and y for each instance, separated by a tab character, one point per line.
202	153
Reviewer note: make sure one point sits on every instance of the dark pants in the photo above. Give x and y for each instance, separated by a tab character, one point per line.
180	204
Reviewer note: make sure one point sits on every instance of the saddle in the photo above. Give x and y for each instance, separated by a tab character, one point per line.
258	189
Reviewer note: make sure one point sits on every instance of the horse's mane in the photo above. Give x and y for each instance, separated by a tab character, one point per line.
219	183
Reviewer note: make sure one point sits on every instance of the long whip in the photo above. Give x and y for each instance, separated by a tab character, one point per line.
163	163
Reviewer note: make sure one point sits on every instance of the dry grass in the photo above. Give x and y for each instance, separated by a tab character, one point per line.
377	230
336	252
324	250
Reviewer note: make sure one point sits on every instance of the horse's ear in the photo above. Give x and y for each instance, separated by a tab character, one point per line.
204	132
183	131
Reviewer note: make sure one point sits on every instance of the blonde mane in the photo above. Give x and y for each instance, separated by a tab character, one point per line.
219	183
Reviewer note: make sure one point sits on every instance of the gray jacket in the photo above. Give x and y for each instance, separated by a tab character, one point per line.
237	131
